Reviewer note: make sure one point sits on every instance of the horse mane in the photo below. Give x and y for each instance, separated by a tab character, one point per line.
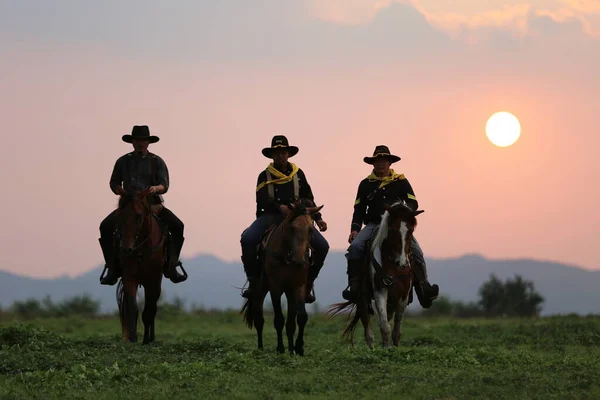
382	232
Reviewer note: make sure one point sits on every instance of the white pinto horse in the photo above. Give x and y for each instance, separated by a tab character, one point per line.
386	277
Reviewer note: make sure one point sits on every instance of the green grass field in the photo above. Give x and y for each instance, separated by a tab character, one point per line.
214	356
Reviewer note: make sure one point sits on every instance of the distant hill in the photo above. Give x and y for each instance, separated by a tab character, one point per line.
212	282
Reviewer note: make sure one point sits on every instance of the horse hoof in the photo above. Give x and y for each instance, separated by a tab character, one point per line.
280	350
300	352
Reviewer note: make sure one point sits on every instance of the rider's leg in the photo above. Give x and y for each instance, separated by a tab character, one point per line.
320	249
249	241
107	228
176	229
355	256
426	292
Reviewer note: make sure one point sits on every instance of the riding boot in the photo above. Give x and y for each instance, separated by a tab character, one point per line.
251	270
175	245
426	292
112	274
313	273
351	292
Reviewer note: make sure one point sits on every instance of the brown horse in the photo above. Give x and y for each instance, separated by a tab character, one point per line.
285	262
142	256
386	277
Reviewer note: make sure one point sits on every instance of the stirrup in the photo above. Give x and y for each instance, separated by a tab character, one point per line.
310	296
173	275
247	291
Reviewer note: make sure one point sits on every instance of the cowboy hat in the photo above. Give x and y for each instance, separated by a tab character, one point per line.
381	151
279	142
140	132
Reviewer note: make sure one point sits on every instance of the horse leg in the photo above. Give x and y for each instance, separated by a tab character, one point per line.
302	318
131	310
151	297
397	333
259	318
362	309
384	325
122	311
290	326
278	320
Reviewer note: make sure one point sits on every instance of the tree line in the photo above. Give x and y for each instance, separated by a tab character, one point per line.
515	297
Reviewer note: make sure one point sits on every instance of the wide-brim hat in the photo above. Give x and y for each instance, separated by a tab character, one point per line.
140	132
381	151
279	142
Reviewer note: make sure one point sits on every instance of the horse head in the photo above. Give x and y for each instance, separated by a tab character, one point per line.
132	215
298	230
400	222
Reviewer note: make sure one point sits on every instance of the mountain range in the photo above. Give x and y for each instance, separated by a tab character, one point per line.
214	283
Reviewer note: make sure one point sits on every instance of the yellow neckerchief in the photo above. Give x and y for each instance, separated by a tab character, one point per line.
386	180
281	178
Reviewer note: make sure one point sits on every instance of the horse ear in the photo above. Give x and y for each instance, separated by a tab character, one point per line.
314	210
415	213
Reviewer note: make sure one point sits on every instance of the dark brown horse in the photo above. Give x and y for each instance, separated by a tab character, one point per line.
285	262
142	256
386	277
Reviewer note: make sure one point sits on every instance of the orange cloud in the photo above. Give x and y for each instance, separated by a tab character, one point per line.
463	15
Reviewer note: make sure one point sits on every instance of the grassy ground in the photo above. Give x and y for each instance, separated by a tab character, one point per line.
214	356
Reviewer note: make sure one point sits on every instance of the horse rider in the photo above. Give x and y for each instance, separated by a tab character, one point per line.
141	170
280	184
383	186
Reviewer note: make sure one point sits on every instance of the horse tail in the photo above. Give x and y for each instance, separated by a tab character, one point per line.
121	300
337	308
353	317
247	312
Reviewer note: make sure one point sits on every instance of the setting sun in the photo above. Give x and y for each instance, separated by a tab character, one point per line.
503	129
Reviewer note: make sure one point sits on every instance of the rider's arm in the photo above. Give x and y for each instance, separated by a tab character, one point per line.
162	176
116	178
262	196
409	195
306	192
360	207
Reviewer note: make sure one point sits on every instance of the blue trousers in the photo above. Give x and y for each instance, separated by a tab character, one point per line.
253	234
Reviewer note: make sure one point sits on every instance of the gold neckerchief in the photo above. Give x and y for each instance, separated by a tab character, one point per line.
386	180
280	178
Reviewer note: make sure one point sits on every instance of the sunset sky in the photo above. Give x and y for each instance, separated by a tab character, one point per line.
217	79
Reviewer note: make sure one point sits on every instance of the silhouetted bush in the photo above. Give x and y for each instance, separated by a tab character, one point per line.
443	306
33	308
515	297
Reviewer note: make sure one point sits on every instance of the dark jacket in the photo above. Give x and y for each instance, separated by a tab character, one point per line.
284	194
134	172
368	206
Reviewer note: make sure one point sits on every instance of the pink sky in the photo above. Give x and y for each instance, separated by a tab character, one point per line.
217	96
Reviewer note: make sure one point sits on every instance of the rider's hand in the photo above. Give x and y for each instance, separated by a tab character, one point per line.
285	210
152	190
322	225
121	191
352	236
